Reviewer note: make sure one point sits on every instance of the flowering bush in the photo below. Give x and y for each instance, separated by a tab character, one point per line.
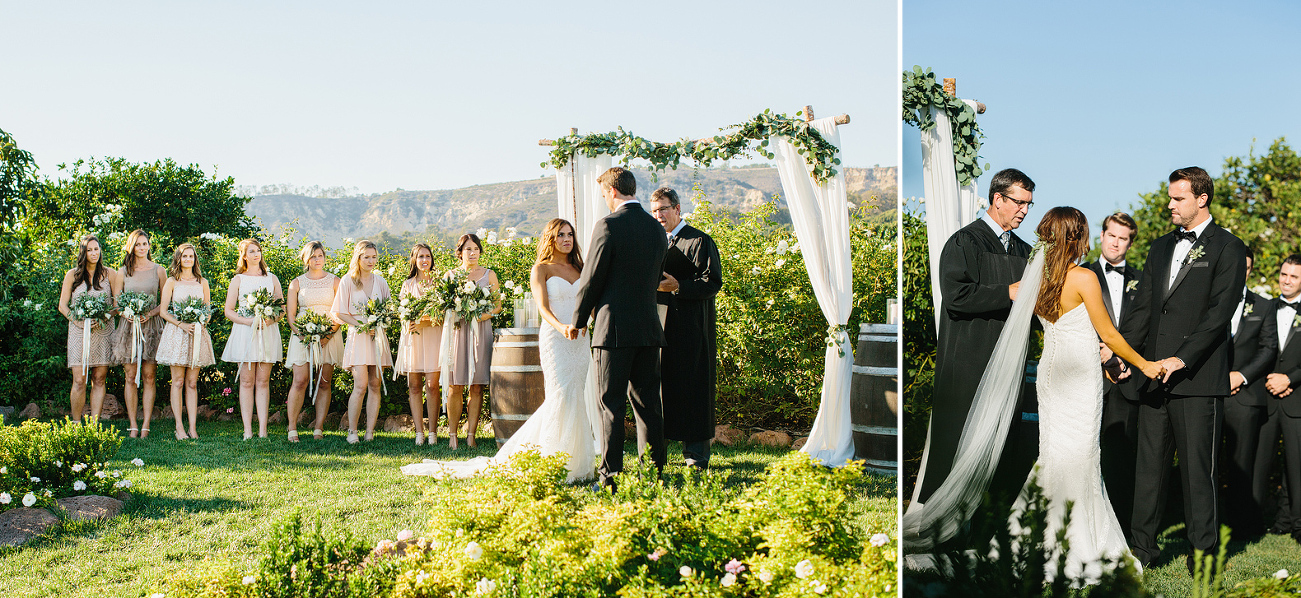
521	531
48	461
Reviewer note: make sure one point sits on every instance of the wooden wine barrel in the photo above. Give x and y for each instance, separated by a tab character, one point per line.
874	397
515	387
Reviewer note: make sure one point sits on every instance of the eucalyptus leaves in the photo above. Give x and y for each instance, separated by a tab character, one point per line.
817	151
920	92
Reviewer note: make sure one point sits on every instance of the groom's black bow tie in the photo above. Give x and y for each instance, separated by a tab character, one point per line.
1181	235
1117	269
1285	303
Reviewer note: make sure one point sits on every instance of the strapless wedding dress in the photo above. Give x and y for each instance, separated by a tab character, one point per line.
561	423
1069	385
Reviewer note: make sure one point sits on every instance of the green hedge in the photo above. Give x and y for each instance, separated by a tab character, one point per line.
52	460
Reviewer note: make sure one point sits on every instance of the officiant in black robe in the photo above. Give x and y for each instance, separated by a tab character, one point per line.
693	275
980	269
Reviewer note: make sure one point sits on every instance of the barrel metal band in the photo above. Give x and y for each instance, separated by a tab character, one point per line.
871	370
882	430
515	331
515	368
879	328
509	344
510	416
883	466
878	338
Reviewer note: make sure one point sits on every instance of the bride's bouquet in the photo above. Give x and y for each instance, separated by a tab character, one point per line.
134	305
192	310
260	305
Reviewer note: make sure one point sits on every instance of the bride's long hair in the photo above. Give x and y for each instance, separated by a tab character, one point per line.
1064	234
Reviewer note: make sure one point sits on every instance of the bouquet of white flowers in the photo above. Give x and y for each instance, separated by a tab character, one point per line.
376	313
94	311
134	305
192	310
411	308
312	329
473	301
260	305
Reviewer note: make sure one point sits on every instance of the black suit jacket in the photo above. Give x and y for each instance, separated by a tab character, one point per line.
1289	363
1190	318
619	280
1255	348
1129	386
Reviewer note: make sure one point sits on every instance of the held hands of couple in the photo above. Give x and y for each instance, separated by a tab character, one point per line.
572	333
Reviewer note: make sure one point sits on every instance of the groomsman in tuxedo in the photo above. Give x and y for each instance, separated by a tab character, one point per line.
980	270
1255	350
1284	404
617	290
1119	281
693	274
1182	316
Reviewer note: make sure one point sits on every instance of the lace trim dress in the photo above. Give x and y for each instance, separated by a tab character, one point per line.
561	423
243	345
360	347
175	346
142	281
463	350
101	338
318	296
418	351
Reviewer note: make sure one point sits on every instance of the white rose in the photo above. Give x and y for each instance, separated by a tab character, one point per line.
249	580
727	580
138	462
485	586
783	247
780	263
685	571
765	576
29	499
5	498
36	480
79	485
1281	574
473	551
803	569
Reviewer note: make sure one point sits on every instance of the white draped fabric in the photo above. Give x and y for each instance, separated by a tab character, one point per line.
820	216
948	206
579	200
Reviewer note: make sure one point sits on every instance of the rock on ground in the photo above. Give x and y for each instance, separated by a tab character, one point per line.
111	407
727	435
21	525
31	411
90	507
771	438
332	421
399	423
206	412
167	413
799	443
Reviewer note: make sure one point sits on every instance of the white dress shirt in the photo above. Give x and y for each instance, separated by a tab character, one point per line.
1115	287
1237	313
677	229
1182	247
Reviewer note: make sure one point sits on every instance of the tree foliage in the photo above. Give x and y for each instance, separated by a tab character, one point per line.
162	197
17	177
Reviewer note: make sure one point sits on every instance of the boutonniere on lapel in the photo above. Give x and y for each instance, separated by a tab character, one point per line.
1246	311
1131	285
1296	320
1195	254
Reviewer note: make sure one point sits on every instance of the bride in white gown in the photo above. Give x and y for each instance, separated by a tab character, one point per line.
1068	302
562	423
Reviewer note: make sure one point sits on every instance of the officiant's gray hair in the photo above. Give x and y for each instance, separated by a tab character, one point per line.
1006	179
666	193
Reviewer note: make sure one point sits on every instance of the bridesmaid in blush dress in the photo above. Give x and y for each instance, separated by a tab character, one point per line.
418	349
313	291
362	353
254	346
176	348
139	274
465	352
89	276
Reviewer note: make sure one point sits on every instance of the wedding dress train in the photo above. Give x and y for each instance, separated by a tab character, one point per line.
561	423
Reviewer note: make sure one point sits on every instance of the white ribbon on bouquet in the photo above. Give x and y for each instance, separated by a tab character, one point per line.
194	349
137	346
85	346
381	343
450	320
404	350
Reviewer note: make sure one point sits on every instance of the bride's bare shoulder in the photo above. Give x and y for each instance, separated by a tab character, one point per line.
1081	277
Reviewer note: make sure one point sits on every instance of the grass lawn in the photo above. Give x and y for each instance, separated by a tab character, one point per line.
1246	560
218	497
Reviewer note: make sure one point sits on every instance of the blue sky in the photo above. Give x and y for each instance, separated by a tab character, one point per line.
1099	101
425	95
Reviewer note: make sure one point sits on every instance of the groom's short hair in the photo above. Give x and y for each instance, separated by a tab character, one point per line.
1122	219
1006	179
1198	180
621	179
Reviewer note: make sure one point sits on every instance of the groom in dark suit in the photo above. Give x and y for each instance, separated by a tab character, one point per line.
617	290
1119	439
1191	286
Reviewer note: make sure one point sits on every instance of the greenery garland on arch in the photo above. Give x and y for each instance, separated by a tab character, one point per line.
920	92
817	151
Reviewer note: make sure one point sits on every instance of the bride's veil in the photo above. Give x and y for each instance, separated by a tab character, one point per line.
981	443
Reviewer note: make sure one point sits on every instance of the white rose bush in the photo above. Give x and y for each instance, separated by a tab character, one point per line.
41	462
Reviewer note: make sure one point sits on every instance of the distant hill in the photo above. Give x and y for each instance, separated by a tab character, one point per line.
527	205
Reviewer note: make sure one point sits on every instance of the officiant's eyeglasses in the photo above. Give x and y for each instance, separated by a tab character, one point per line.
1019	204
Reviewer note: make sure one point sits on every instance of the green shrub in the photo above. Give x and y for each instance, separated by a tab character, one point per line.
54	460
1280	585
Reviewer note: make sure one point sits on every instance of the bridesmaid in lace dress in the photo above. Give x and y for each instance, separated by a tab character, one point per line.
176	346
313	291
418	349
89	276
254	349
468	250
139	274
365	357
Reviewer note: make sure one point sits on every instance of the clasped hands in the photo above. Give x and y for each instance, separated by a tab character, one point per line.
1162	369
572	333
1278	384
